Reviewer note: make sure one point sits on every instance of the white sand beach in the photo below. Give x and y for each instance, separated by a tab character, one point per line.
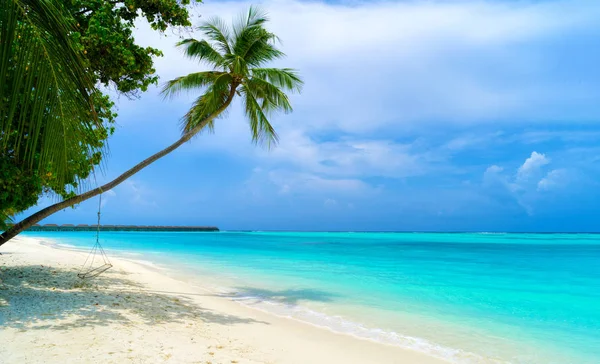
136	314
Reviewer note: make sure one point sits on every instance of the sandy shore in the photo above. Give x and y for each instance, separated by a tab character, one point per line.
136	314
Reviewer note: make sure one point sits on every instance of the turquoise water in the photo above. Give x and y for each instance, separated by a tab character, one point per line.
519	298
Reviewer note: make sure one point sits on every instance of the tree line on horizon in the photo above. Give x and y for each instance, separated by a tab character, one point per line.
56	61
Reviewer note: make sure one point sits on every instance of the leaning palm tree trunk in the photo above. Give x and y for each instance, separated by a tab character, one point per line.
42	214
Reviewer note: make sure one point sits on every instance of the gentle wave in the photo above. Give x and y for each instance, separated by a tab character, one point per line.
341	325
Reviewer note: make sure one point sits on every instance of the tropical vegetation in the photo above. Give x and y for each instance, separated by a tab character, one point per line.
237	57
54	122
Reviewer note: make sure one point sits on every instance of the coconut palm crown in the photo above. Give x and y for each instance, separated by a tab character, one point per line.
237	57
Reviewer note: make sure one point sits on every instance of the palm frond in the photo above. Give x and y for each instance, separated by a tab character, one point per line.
209	103
252	42
254	18
236	64
45	102
286	78
262	131
217	31
203	51
190	82
269	97
262	51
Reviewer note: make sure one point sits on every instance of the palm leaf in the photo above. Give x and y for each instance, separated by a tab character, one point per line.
252	42
253	19
217	31
45	92
208	103
270	97
262	131
189	82
286	78
262	51
203	51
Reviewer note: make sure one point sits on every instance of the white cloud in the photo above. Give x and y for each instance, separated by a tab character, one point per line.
531	166
473	140
571	136
347	157
304	182
493	175
526	185
553	179
264	184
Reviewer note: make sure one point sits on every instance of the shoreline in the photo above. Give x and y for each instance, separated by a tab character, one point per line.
337	323
196	321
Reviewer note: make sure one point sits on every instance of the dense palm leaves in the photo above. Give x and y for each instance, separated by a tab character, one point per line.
47	120
44	88
236	57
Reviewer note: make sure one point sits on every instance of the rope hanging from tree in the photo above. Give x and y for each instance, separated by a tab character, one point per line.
89	270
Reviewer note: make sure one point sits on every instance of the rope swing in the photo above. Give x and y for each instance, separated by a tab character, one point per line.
90	270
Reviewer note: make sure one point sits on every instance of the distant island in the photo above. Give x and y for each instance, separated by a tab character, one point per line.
84	227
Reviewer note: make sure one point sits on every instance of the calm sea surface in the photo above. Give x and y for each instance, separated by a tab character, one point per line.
470	298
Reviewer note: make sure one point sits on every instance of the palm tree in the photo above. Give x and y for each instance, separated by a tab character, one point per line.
236	56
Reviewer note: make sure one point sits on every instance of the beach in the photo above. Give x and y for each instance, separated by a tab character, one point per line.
135	313
373	194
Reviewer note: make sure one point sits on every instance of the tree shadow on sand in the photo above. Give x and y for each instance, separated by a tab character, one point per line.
285	296
41	297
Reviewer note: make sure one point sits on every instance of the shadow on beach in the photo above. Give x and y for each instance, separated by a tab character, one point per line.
286	296
41	297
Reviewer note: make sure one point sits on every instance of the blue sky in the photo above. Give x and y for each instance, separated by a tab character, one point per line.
416	115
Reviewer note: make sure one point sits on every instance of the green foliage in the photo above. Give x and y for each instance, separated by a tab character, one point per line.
45	89
105	35
237	55
46	102
53	135
19	189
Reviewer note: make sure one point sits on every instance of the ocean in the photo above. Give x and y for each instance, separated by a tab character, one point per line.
465	297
